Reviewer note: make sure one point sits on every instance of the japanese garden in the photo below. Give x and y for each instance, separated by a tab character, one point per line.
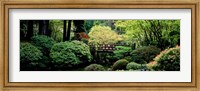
99	45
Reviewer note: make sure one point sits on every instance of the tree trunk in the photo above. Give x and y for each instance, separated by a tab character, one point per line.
64	31
41	27
79	24
44	27
48	32
30	29
68	30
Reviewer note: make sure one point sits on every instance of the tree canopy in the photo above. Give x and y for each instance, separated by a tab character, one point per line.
103	35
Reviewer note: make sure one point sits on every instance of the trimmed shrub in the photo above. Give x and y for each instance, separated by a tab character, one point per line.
169	59
121	51
94	67
81	50
43	43
69	54
29	56
120	64
144	54
133	66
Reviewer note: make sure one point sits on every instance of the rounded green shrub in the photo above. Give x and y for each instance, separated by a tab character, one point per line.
29	56
144	54
81	50
94	67
121	51
133	66
120	64
169	59
69	54
43	43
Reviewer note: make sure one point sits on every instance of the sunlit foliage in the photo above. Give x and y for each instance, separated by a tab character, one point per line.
103	35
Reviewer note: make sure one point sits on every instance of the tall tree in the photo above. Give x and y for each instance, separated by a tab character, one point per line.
160	33
44	27
79	24
68	30
56	27
88	25
64	31
30	29
80	32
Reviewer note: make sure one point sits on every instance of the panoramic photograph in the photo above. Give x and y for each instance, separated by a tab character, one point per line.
99	45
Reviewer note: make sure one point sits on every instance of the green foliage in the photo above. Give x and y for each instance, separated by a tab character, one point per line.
88	25
94	67
29	56
160	33
103	35
109	23
133	66
57	27
69	54
121	51
120	64
144	54
169	59
152	65
43	43
149	37
128	58
171	32
81	50
130	31
156	67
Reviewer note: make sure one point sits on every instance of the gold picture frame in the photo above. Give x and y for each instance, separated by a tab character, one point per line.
99	4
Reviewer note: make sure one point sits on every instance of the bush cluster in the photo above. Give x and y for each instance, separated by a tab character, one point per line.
121	51
144	54
94	67
43	43
30	56
69	54
168	60
120	64
133	66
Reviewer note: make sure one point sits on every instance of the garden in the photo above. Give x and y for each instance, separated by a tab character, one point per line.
99	45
